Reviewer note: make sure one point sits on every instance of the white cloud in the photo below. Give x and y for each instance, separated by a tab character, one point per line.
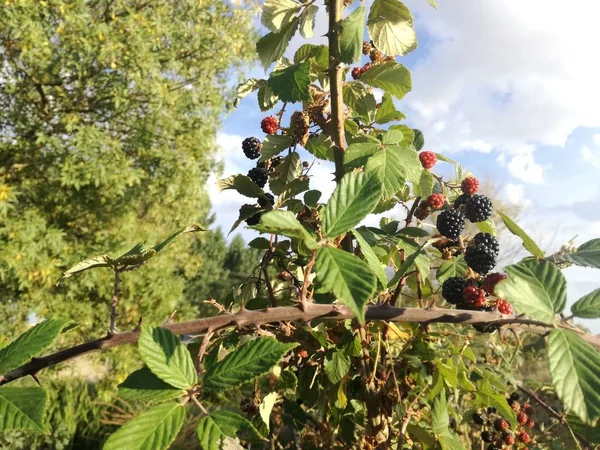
591	156
525	168
515	194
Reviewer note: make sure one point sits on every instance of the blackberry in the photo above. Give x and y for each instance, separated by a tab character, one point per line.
254	220
436	201
528	409
508	439
478	419
515	406
522	418
452	422
474	297
478	208
514	396
493	447
461	200
501	425
270	125
524	437
450	223
452	290
267	201
251	147
259	176
504	307
491	410
275	161
490	282
486	328
469	185
486	436
530	423
489	241
480	259
428	159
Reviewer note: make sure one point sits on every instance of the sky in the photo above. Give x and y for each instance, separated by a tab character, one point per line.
509	89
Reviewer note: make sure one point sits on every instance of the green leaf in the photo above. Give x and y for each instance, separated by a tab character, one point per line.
266	407
291	83
387	111
337	366
357	154
266	98
192	228
246	211
490	397
408	135
29	344
246	88
136	255
251	360
320	146
392	136
353	90
411	259
575	370
351	36
456	267
220	424
166	356
390	26
424	188
352	200
347	276
274	144
242	184
593	244
307	21
588	306
536	288
90	263
277	13
154	429
311	198
371	258
440	422
143	385
22	408
316	54
286	224
585	258
395	165
528	243
392	77
289	169
365	108
298	186
272	46
488	226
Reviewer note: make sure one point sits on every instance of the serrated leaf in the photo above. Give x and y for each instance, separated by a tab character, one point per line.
274	144
352	91
365	108
414	232
298	186
593	244
307	21
154	429
389	76
536	288
317	54
311	198
348	277
371	258
395	165
320	146
387	111
289	169
584	258
358	153
392	136
272	46
89	263
246	211
456	267
412	258
490	397
251	360
278	13
29	344
291	83
351	36
515	229
575	370
588	306
352	200
266	98
246	88
266	407
191	228
22	408
487	226
242	184
337	366
286	224
424	188
390	26
220	424
143	385
166	356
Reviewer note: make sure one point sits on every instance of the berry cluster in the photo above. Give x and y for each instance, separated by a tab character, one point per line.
473	294
374	55
496	430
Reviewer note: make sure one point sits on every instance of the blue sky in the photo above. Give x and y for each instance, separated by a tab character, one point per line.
508	88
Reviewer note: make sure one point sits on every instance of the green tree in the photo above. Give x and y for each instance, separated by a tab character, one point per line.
108	111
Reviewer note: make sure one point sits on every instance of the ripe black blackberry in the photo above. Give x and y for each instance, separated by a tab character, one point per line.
514	397
493	447
489	241
267	201
450	223
478	418
478	208
259	176
480	259
251	147
461	200
452	290
486	436
254	220
486	328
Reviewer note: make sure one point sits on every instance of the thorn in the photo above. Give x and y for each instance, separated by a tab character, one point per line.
267	309
239	324
243	308
138	327
169	319
37	380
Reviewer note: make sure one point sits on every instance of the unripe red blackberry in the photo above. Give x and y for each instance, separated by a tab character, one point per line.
524	437
251	147
269	125
366	67
522	418
514	405
528	409
474	296
259	176
436	201
428	159
356	73
267	201
501	425
469	185
530	423
508	438
366	48
480	259
478	208
490	282
504	308
450	223
489	241
422	213
452	291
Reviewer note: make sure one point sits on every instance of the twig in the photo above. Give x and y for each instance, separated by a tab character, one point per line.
412	210
113	306
202	350
198	404
305	283
336	82
401	283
